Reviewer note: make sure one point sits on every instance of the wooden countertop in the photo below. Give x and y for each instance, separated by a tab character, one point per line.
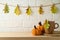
25	34
18	34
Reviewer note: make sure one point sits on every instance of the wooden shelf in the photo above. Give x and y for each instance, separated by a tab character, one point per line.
24	34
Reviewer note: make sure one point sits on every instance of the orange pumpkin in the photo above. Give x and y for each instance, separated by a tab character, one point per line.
35	31
40	28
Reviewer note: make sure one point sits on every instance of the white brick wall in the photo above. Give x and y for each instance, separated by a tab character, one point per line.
12	23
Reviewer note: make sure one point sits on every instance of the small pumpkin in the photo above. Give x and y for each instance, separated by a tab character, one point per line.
35	31
40	28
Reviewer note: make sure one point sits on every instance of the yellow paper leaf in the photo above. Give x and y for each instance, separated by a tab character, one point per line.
6	9
17	10
28	11
40	10
54	9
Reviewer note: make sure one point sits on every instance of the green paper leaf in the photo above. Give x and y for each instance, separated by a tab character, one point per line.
47	25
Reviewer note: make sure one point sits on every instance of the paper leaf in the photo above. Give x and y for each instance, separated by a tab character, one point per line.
28	11
54	9
17	10
47	25
40	10
6	9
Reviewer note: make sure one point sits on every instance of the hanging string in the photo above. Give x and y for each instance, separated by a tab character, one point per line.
32	6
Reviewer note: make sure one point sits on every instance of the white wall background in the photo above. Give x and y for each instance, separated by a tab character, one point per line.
23	23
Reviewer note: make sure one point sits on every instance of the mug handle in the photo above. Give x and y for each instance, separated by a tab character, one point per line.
57	25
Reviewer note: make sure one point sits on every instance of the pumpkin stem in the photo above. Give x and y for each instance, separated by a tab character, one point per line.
35	26
40	24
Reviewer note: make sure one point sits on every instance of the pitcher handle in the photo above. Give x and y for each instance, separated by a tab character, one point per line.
57	25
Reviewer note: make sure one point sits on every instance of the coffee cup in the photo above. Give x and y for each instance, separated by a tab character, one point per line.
52	26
